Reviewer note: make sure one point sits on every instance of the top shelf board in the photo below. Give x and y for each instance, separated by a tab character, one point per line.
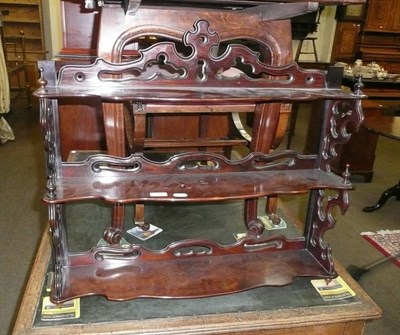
219	83
245	2
218	96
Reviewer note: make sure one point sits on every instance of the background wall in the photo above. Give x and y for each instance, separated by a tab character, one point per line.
325	33
52	26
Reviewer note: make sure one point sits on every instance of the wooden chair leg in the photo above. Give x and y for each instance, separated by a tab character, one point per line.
292	124
139	217
315	50
296	58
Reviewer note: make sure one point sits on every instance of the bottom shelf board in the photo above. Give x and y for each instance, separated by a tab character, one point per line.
291	306
260	310
225	270
187	277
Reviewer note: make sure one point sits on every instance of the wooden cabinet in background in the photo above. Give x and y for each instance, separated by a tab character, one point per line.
345	43
80	30
23	19
380	40
347	34
370	32
383	16
396	20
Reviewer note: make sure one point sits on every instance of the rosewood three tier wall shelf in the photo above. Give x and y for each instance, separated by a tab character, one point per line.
202	62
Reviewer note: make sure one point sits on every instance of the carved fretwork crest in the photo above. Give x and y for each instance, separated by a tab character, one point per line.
232	65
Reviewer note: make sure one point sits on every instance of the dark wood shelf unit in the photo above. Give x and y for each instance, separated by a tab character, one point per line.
166	80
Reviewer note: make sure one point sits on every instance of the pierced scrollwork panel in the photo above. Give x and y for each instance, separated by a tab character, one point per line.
322	219
162	64
340	113
60	245
187	163
47	123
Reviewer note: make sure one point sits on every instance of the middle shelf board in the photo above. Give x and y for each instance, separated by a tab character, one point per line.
195	187
189	177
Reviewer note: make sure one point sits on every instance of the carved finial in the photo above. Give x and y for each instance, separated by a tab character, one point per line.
41	81
346	175
358	86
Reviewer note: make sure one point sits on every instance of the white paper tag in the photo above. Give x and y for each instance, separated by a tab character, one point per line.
158	194
144	234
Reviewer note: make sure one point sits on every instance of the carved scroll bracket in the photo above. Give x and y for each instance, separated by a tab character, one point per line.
60	247
322	220
339	115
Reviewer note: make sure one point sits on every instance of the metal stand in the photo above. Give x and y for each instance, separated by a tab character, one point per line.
357	272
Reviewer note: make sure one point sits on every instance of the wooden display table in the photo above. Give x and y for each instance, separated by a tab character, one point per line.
292	309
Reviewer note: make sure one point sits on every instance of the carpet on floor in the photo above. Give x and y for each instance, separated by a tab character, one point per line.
387	242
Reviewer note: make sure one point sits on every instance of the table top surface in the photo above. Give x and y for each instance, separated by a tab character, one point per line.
388	126
391	82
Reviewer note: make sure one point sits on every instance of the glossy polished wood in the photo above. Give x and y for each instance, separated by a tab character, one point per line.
326	318
382	95
196	80
188	180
